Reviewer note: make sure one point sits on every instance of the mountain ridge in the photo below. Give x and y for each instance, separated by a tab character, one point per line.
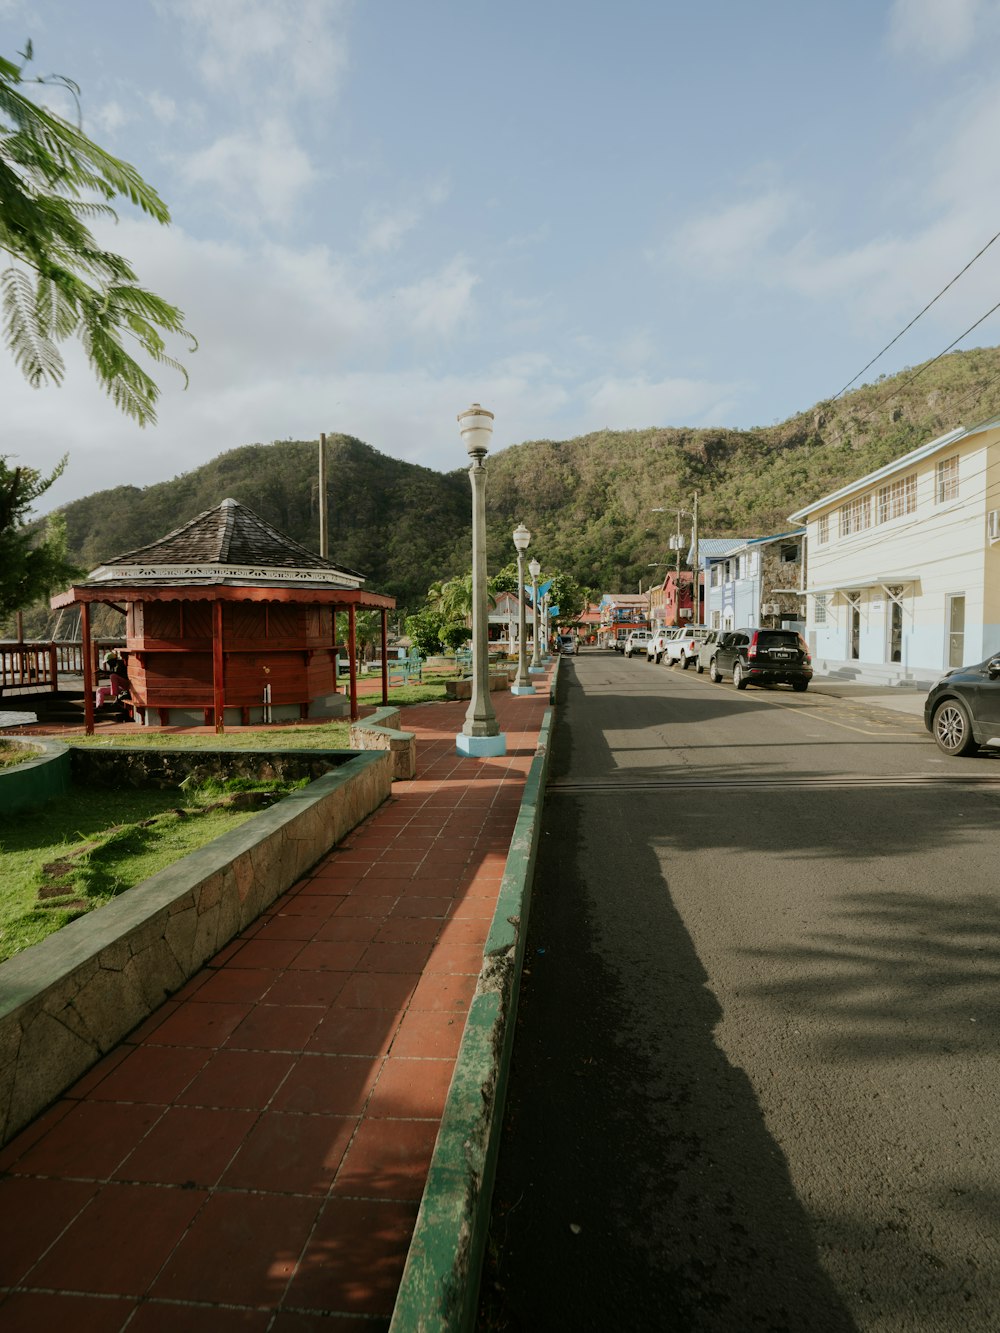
587	501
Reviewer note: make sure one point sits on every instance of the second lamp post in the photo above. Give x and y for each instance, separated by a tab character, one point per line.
534	568
522	685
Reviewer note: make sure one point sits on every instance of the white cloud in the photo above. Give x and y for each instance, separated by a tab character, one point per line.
255	174
936	31
111	117
438	304
383	229
281	50
636	402
163	108
724	241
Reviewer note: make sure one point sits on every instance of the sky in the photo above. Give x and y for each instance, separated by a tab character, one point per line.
580	214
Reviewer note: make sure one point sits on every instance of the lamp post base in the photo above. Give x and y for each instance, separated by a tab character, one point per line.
522	689
481	747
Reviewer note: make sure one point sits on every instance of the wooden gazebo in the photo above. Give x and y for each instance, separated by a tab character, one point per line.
228	614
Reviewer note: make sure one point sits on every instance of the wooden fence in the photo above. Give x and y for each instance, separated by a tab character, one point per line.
39	666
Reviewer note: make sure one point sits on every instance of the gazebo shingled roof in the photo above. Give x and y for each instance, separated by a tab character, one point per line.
224	538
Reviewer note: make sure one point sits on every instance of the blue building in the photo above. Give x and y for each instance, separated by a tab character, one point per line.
753	580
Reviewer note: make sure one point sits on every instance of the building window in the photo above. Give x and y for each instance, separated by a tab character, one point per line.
789	555
823	530
856	516
716	619
819	608
896	499
946	483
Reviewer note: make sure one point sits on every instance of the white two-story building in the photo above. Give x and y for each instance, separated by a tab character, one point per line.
903	573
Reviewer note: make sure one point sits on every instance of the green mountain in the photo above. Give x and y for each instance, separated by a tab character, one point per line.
587	501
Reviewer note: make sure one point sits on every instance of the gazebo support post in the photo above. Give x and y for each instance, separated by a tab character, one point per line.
218	669
88	670
352	652
385	657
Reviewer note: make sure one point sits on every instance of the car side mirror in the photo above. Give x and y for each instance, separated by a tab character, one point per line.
993	668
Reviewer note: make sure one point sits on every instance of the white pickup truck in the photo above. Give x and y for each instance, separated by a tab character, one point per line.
636	642
684	648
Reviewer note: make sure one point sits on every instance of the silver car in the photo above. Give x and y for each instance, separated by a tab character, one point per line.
706	650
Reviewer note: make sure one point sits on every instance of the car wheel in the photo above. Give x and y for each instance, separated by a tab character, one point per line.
800	686
739	680
713	671
952	728
685	662
656	658
699	668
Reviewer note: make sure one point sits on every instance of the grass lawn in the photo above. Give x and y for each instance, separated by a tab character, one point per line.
73	855
109	863
15	754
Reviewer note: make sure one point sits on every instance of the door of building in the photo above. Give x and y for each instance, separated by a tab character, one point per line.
956	630
894	647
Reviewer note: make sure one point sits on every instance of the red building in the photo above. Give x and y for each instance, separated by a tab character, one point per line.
228	621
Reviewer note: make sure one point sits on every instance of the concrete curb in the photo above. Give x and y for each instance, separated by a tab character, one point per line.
36	780
440	1285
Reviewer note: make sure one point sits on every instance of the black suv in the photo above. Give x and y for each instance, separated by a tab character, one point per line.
962	710
762	657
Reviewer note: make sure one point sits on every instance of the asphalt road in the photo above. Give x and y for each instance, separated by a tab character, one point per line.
755	1082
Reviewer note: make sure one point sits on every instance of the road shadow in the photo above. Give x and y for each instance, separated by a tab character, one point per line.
638	1185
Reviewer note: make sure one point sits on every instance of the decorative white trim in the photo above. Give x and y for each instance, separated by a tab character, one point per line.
245	573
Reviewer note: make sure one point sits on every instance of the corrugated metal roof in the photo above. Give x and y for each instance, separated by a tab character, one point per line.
712	548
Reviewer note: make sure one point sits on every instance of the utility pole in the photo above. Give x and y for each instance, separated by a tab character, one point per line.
324	543
695	567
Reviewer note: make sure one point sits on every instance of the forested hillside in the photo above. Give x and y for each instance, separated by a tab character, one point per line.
587	501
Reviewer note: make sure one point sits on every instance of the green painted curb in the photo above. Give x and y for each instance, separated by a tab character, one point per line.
36	780
439	1291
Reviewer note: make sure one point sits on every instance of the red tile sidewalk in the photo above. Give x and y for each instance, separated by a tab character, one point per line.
253	1156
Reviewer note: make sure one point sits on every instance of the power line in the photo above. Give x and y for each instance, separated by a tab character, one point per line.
917	316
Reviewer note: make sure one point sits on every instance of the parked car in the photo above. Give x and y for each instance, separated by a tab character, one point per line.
706	650
684	646
636	642
567	644
659	640
962	711
762	657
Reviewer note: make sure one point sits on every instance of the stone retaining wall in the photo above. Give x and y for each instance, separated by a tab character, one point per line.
380	731
69	1000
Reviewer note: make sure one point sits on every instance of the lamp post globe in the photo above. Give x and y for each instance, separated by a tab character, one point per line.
480	735
534	569
522	684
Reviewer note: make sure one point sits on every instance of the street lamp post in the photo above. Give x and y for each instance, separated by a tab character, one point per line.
522	685
480	735
534	569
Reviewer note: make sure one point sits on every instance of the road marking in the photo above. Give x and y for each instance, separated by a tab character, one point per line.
772	783
795	708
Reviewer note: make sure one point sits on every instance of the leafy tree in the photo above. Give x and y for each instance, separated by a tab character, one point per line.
31	564
453	636
61	283
367	633
505	580
424	629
